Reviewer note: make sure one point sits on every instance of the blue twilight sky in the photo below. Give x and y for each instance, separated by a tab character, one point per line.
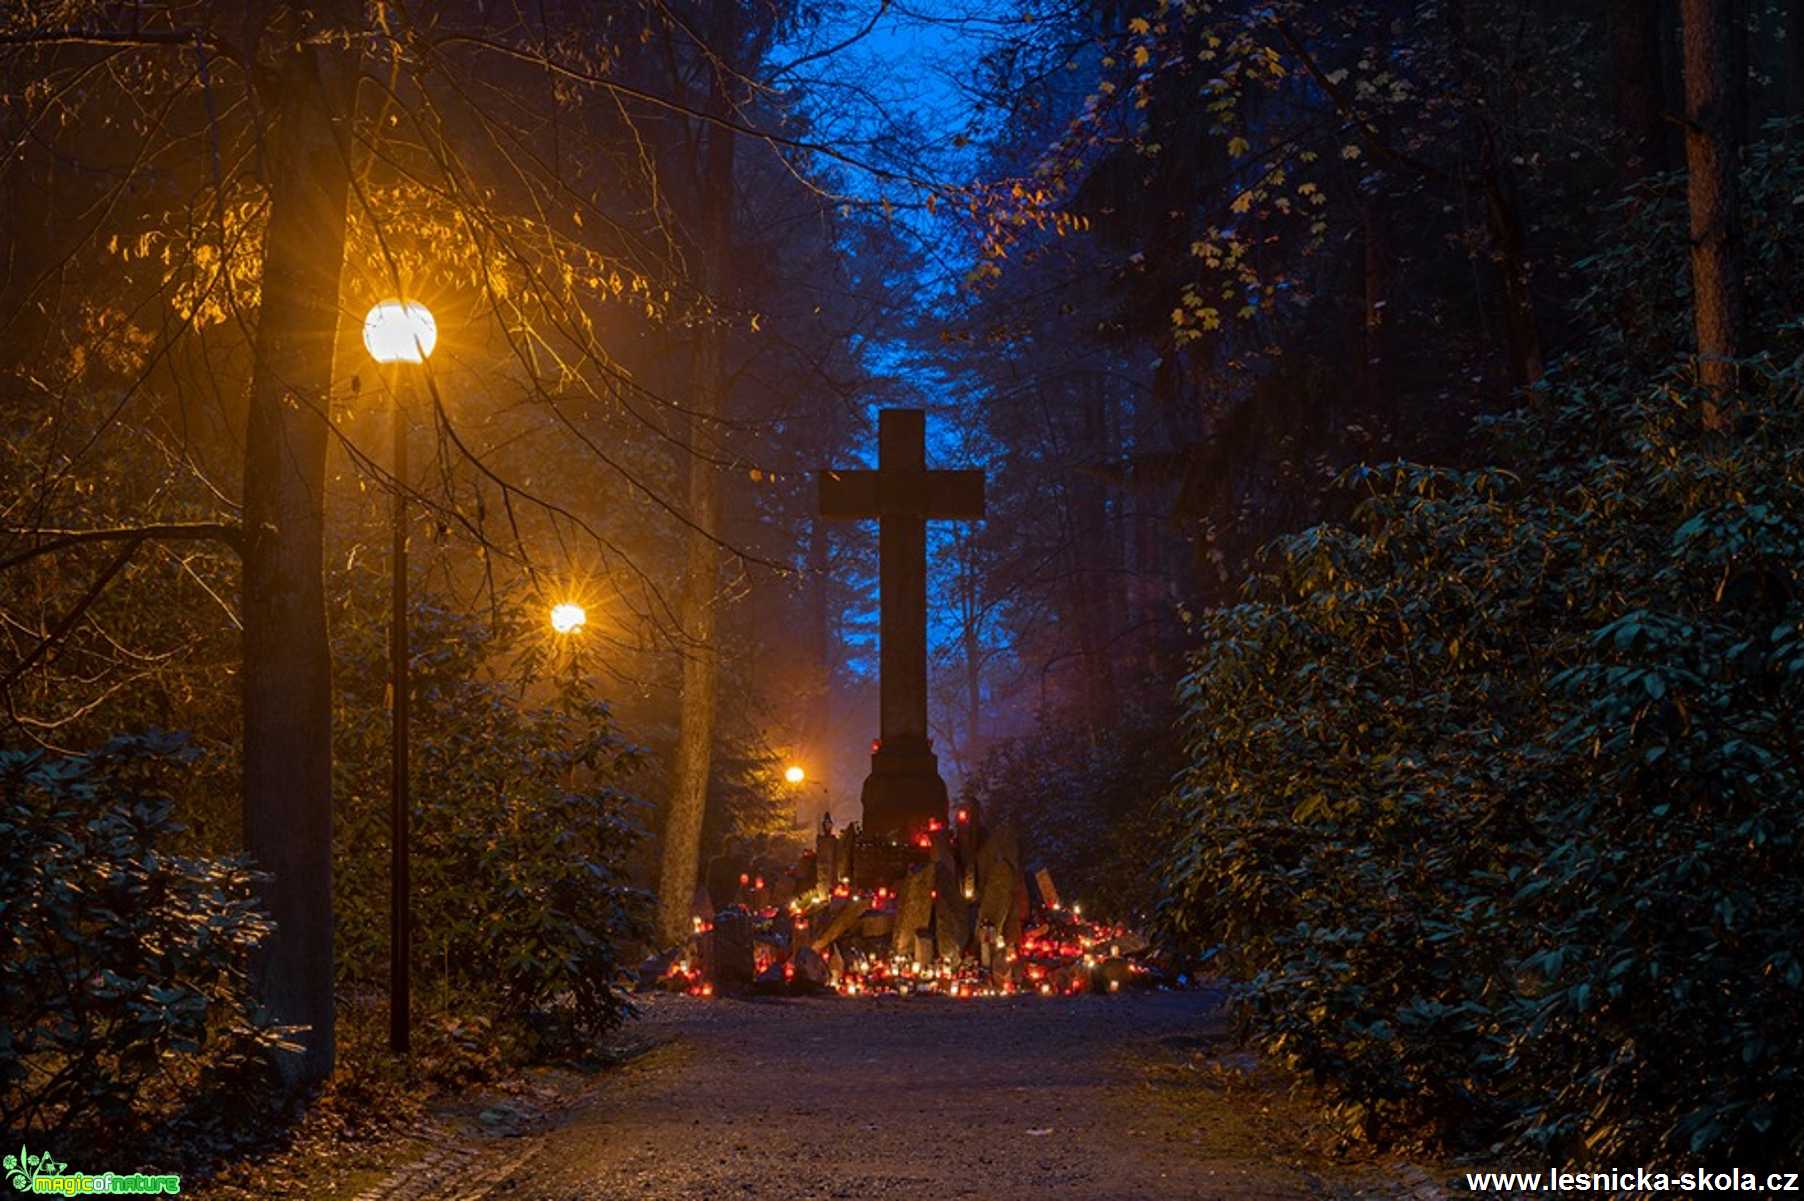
904	74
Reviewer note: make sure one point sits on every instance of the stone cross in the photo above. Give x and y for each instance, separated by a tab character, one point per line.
904	791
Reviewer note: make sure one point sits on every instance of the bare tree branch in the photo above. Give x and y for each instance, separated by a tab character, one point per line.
228	533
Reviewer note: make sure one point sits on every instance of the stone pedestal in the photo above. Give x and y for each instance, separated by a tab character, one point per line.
904	791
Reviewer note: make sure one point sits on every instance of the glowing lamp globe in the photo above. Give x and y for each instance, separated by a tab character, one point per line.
397	331
567	618
795	775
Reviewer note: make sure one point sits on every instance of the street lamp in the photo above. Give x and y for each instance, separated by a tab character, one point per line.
568	617
397	332
794	774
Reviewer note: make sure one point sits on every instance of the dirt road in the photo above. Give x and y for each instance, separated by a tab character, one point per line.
1089	1098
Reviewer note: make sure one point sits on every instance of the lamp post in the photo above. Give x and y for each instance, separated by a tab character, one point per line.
395	333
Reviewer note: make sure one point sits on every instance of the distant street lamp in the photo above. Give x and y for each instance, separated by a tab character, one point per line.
397	332
568	617
795	775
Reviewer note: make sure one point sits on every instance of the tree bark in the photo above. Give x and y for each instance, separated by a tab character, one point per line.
819	637
1635	63
701	662
1794	73
1716	268
1740	102
1521	327
971	606
287	665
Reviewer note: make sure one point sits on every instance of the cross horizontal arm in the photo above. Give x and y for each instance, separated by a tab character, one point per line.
931	495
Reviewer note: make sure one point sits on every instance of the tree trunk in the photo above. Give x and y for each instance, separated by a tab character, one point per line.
1377	394
819	714
1635	63
1716	271
1090	567
287	663
971	604
1741	108
701	662
1794	69
1504	214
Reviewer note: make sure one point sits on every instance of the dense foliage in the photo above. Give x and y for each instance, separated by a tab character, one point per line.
124	967
1493	791
519	827
1085	807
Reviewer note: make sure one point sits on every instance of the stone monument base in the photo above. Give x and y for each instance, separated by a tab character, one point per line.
904	792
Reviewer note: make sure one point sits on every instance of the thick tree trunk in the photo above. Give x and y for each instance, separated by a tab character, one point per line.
1090	570
1635	63
287	665
1716	269
1375	387
1740	101
820	638
971	604
1521	327
1794	68
701	662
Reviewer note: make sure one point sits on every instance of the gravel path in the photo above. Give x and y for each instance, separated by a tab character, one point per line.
921	1098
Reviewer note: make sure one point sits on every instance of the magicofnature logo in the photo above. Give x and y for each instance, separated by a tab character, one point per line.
41	1173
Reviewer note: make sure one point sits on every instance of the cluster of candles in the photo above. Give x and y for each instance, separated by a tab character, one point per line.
1058	954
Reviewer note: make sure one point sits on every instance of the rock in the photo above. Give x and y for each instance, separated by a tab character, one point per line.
771	979
1115	974
722	879
808	971
999	874
831	861
914	908
877	924
842	915
1129	943
656	967
1049	895
924	949
732	962
951	912
1017	914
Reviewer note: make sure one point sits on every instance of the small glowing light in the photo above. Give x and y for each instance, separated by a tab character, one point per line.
568	617
794	774
397	331
1114	986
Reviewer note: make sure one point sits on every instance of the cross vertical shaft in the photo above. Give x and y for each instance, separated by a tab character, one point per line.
904	791
902	581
